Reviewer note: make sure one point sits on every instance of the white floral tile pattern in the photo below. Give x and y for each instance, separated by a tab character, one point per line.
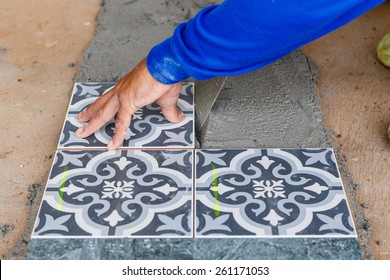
150	190
238	193
128	193
148	129
270	192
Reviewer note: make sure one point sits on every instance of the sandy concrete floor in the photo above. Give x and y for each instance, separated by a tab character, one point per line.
41	43
39	55
354	90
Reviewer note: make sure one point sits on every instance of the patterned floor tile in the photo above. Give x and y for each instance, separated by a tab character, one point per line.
148	128
270	192
128	193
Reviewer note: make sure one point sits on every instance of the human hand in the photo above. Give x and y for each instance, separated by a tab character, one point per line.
134	91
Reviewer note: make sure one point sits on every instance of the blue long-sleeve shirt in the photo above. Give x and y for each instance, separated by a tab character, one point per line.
239	36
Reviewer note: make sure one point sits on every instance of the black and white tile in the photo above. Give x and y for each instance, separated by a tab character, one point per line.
270	193
133	193
148	129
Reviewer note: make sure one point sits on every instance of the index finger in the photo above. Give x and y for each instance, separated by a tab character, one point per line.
91	110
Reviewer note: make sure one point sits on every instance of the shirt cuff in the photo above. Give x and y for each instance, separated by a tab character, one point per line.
163	64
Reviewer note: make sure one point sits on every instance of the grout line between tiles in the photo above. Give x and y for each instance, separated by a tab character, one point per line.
193	161
193	193
103	149
124	149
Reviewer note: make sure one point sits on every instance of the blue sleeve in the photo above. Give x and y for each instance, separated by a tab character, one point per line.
239	36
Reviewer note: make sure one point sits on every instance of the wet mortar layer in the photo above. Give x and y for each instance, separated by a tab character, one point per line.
125	32
276	106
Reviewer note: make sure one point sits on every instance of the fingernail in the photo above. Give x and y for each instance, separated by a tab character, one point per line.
110	145
79	131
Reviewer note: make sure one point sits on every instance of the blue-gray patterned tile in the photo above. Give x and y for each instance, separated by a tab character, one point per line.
123	193
148	129
270	193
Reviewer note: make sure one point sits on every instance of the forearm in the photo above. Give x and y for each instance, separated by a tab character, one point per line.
239	36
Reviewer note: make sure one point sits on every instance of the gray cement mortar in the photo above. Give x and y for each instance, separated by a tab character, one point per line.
127	29
276	106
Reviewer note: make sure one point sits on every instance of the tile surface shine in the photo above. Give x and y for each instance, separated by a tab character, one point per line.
118	194
148	127
270	192
150	191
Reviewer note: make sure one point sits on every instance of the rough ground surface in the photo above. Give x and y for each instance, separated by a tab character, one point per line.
126	30
278	100
355	92
41	44
46	60
276	106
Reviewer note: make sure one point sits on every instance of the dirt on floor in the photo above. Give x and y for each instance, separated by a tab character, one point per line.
354	90
41	44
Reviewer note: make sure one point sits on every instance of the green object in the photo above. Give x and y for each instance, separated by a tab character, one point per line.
388	132
383	51
217	210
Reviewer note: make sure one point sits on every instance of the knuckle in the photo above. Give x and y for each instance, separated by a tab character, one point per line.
88	111
125	104
134	108
100	113
119	122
